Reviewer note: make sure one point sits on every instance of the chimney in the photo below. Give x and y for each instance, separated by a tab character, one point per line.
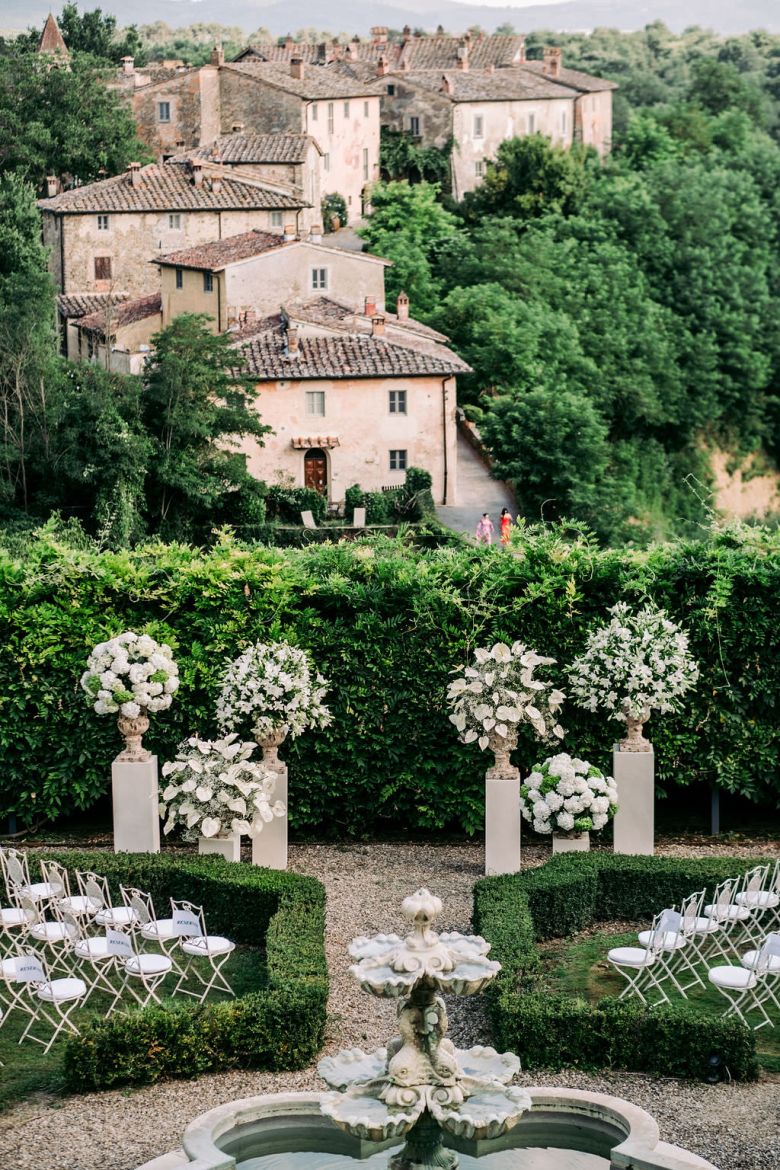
296	68
197	174
216	184
382	68
463	55
289	231
552	62
446	84
292	340
315	233
406	35
377	325
237	128
134	171
128	65
402	307
353	51
217	55
288	43
521	50
379	35
51	186
370	307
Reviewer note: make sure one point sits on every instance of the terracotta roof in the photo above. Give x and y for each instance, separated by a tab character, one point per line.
71	305
265	358
440	52
318	81
51	39
512	84
585	82
124	314
270	51
168	188
323	311
252	148
221	253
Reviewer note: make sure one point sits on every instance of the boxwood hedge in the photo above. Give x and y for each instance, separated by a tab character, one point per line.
280	1027
565	896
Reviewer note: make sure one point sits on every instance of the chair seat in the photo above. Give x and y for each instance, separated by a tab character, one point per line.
705	926
148	965
727	913
79	904
207	944
8	968
62	990
759	899
737	978
40	891
12	916
750	958
672	941
631	957
52	931
162	928
92	949
115	916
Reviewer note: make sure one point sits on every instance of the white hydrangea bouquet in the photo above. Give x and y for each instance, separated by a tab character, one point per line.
499	692
638	663
565	795
270	688
130	675
215	789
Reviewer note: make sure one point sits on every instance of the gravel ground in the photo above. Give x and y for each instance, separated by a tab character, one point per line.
735	1126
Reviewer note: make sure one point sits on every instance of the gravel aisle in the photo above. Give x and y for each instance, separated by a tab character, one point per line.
737	1127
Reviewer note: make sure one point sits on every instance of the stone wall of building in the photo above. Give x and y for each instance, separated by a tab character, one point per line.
593	120
261	108
501	120
180	124
283	276
432	110
347	133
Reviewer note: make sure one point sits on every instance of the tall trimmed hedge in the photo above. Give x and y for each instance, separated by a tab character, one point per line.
280	1027
385	623
565	896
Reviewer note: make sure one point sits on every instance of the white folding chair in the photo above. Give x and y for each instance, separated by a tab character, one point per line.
94	888
77	905
747	929
638	964
53	937
138	967
93	959
747	988
13	992
16	871
14	922
725	910
763	899
673	956
55	999
146	923
196	943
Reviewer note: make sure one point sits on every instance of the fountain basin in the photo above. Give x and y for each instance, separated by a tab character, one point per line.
565	1129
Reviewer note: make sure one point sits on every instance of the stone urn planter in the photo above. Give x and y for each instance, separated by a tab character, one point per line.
634	740
269	848
223	845
502	808
132	730
571	842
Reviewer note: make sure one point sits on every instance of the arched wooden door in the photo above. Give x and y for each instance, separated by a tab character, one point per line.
315	470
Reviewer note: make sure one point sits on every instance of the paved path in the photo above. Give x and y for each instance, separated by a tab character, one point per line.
478	492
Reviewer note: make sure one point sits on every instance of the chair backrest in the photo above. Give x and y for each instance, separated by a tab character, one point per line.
773	879
690	912
359	518
29	967
94	887
188	920
119	943
56	875
723	898
30	908
307	519
753	880
140	903
17	869
667	923
769	949
76	925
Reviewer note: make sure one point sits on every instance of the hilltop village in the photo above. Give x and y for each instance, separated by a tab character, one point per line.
228	222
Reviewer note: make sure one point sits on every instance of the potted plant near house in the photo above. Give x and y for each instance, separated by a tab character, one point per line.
568	797
218	794
272	691
491	700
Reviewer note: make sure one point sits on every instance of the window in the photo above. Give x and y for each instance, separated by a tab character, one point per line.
563	122
346	109
315	402
532	123
174	222
479	168
391	91
414	127
365	109
319	278
102	268
479	126
102	223
330	117
365	163
208	281
163	111
326	162
398	461
397	402
179	278
314	112
276	219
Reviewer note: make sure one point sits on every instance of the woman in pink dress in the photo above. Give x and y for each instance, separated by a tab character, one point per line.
506	525
485	530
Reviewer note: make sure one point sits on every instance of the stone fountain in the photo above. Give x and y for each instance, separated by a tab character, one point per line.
421	1085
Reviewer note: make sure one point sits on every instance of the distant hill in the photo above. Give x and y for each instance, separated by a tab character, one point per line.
724	16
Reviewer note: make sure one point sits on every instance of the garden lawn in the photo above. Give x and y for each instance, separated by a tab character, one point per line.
28	1069
578	966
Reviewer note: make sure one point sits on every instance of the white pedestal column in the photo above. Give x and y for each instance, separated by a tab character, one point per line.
580	843
227	847
269	848
634	824
502	825
136	798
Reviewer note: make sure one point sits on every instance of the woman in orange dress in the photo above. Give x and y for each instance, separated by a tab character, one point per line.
506	525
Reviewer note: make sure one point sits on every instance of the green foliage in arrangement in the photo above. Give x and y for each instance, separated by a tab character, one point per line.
280	1027
385	623
563	897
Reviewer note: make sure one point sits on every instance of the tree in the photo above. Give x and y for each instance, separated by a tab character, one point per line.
96	33
717	86
530	177
195	407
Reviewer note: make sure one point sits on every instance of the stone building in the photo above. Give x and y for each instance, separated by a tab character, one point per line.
51	43
411	52
102	236
117	334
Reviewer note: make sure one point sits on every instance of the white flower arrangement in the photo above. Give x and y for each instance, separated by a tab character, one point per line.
130	674
565	795
499	692
638	663
272	687
214	788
